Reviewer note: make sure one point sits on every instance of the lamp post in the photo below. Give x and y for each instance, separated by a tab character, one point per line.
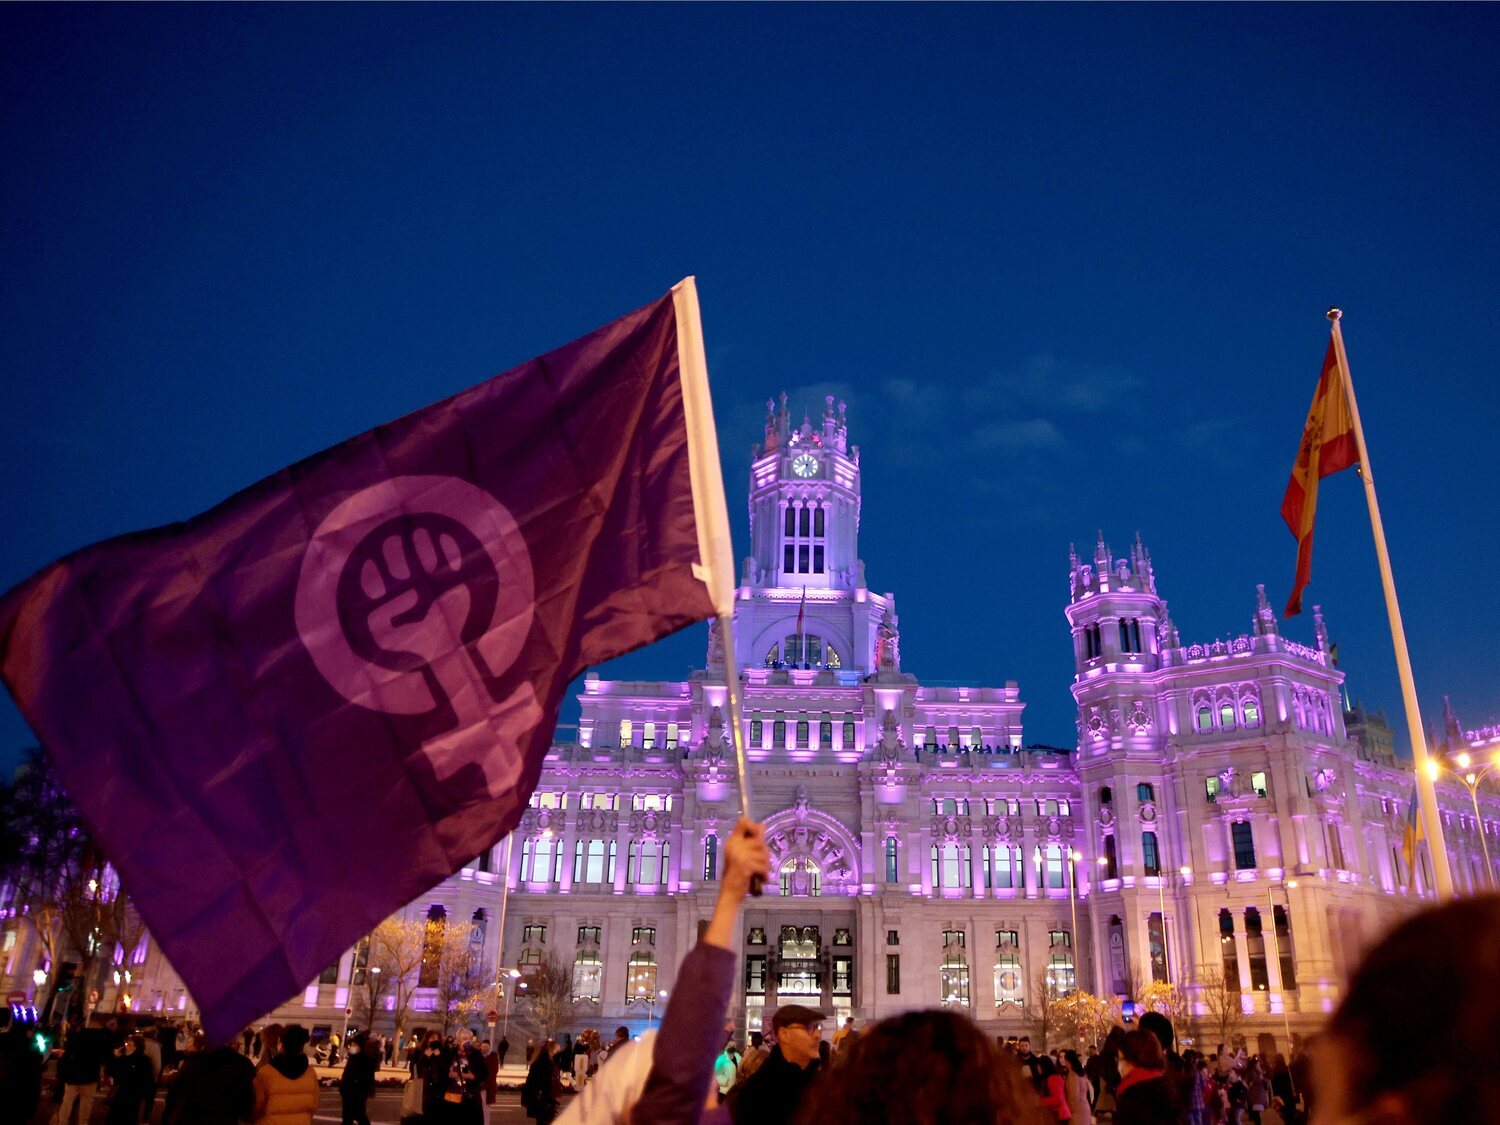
514	974
1471	779
1161	900
1286	1023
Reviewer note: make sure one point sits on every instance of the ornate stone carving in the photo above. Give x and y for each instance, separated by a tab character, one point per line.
1148	813
594	822
1139	720
649	824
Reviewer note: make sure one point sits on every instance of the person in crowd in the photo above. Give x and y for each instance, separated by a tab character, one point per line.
1282	1088
1178	1073
463	1092
81	1068
616	1088
20	1068
843	1032
357	1082
1257	1089
1106	1075
928	1066
130	1072
491	1072
1052	1088
502	1049
1145	1096
1417	1034
1023	1049
622	1036
432	1062
270	1043
777	1088
286	1090
541	1094
581	1062
726	1070
212	1088
1076	1086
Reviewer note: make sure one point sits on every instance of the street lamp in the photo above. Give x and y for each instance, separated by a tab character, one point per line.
514	974
1161	899
1471	778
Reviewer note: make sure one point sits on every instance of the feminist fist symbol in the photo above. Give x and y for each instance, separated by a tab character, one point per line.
415	596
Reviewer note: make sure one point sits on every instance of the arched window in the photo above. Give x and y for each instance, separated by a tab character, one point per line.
710	857
1144	792
1111	862
1009	984
1061	978
1054	866
892	864
953	979
640	975
800	878
588	975
1106	795
1252	713
434	935
1205	718
1226	715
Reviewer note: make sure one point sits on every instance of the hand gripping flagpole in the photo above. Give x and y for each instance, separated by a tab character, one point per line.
715	549
1426	792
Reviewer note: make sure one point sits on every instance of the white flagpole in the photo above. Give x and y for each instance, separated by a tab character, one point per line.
1426	792
715	546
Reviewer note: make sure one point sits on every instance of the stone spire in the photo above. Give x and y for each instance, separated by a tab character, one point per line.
1265	616
1320	630
1167	630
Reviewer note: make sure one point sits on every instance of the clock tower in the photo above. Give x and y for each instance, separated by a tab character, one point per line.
804	543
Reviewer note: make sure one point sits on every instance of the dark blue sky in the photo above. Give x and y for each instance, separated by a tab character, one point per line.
1067	264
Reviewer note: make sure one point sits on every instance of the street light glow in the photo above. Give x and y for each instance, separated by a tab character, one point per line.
39	977
1463	759
1432	769
1471	778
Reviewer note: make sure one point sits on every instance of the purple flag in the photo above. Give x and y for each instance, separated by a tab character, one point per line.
287	717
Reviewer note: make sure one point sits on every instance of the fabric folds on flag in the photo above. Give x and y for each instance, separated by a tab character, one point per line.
1328	445
289	716
1410	837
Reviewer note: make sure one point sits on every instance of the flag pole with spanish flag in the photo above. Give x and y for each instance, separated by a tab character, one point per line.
1327	448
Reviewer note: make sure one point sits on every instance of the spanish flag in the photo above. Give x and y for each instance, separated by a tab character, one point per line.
1327	446
1410	837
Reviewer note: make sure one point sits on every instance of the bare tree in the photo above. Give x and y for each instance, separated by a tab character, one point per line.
1168	999
546	1004
1086	1019
462	980
1222	1002
1046	1013
396	949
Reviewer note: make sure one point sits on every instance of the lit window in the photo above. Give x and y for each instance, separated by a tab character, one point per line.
1144	792
1252	714
1244	845
1205	718
626	735
1258	783
1226	715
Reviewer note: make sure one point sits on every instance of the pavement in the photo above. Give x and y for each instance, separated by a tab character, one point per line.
384	1109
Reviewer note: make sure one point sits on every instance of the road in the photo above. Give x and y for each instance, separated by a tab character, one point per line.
384	1109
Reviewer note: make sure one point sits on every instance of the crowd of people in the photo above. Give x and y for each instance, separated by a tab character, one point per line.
1416	1037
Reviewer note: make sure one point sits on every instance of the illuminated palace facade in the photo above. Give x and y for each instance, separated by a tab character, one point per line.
1226	814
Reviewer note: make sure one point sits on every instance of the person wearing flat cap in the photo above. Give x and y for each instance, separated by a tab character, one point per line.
775	1092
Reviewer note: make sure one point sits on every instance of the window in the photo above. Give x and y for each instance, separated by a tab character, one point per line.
1258	783
801	878
1252	713
594	862
1061	978
1226	715
541	860
1228	950
643	935
1106	796
778	733
800	944
1002	866
648	736
1144	792
892	865
534	935
588	975
757	731
329	975
893	974
893	937
849	738
843	976
626	737
757	936
1054	866
953	980
1008	978
1284	955
589	935
1130	634
1149	856
1255	942
1211	788
1156	939
1205	718
1111	864
1244	844
755	975
640	975
432	945
801	732
710	857
1335	849
952	866
672	732
842	937
1093	643
955	937
648	862
825	734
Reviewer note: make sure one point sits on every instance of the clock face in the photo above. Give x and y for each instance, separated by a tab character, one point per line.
805	465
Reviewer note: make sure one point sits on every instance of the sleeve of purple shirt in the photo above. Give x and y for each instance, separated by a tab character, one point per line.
690	1038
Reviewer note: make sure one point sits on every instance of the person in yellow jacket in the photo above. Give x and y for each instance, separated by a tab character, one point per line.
286	1089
